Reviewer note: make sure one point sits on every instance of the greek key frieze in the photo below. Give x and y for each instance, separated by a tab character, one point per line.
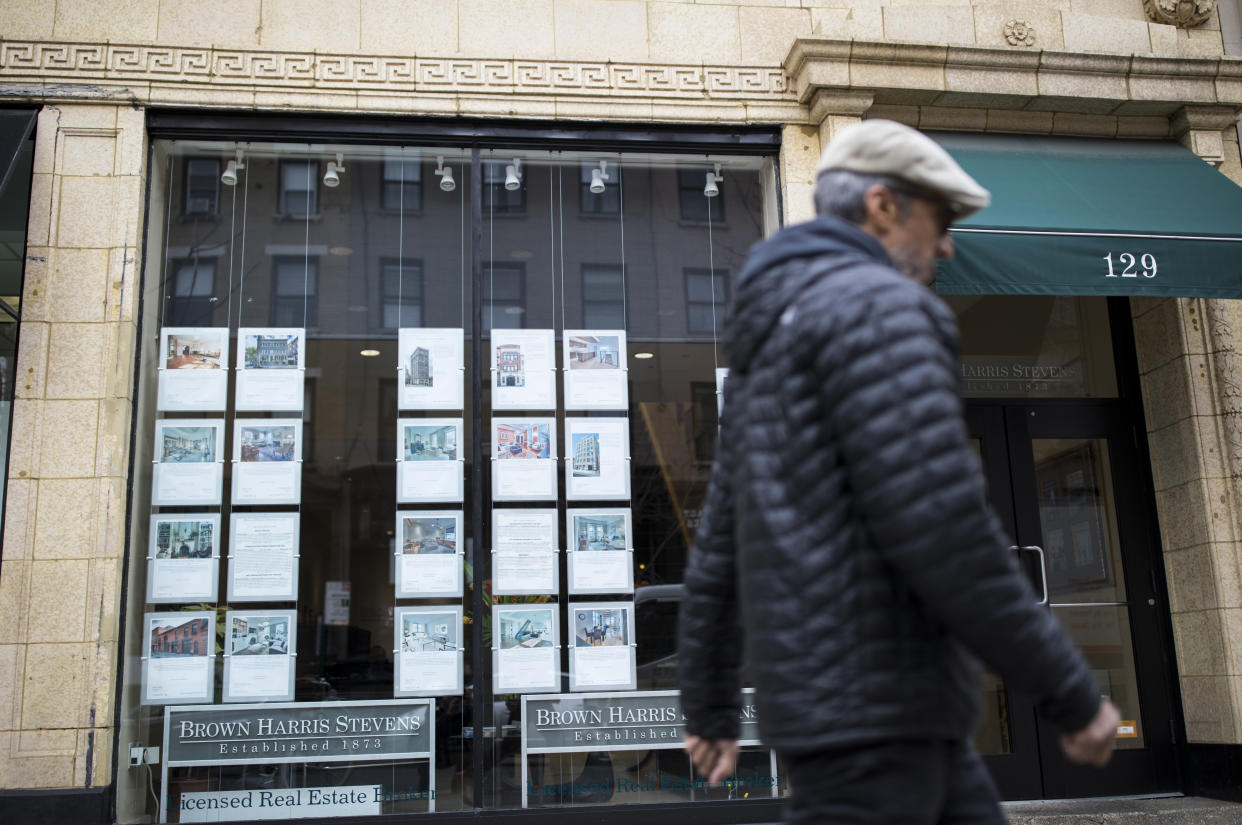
63	62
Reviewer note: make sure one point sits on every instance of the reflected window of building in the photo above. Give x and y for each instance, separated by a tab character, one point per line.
402	188
295	285
603	296
706	420
299	187
202	187
707	297
193	292
504	295
496	198
695	206
401	283
607	202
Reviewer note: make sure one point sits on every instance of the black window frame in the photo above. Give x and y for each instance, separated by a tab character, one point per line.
391	197
717	275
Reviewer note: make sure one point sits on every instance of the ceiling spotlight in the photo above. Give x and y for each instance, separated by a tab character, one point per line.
446	175
229	178
711	190
598	176
332	177
369	353
513	175
643	356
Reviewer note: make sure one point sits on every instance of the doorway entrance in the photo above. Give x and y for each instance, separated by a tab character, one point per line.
1065	477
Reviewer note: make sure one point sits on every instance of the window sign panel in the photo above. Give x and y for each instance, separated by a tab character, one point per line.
526	648
601	655
595	373
428	651
525	552
193	369
263	557
188	464
267	461
430	374
183	560
524	459
429	463
601	555
258	655
428	555
270	368
178	657
523	369
597	458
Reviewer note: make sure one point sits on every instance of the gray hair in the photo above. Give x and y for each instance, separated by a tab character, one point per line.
840	192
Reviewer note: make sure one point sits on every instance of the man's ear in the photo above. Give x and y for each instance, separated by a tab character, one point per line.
880	210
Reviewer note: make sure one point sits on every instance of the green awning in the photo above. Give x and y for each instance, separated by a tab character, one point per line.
1080	216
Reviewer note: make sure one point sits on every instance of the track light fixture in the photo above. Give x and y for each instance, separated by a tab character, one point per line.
446	175
710	189
332	177
229	177
598	176
513	175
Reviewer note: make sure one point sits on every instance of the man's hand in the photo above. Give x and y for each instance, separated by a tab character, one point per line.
715	758
1093	745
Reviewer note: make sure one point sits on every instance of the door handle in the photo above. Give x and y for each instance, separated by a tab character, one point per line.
1031	558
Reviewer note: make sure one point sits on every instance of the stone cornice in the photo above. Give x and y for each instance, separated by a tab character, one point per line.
975	76
144	72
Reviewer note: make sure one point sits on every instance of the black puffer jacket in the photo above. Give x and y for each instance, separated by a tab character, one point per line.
847	517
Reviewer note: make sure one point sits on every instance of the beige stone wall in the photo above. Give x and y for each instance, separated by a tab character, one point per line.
64	529
94	65
667	31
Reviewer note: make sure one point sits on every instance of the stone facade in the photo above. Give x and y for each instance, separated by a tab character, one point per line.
1071	67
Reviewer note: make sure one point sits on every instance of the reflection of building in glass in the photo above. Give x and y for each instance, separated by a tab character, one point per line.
594	351
430	443
185	639
586	453
274	351
418	368
510	370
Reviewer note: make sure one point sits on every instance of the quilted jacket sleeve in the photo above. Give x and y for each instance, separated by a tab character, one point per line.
709	632
892	396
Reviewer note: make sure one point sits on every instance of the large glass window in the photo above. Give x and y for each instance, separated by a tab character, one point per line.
326	533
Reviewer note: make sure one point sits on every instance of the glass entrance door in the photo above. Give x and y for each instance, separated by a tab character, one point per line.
1065	477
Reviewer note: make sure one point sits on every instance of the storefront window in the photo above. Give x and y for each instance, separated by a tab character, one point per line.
333	554
1035	346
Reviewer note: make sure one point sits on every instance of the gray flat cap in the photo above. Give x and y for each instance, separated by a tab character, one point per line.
885	147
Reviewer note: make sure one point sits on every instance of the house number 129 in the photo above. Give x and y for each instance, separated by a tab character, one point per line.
1126	259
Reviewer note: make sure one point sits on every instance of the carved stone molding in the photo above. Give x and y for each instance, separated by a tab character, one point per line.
52	63
1019	33
1184	13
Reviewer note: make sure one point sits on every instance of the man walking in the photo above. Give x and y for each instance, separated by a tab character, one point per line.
854	551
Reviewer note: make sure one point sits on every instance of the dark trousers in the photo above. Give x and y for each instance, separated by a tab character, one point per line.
892	783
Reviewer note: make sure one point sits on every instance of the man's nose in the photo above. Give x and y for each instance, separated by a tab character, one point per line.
944	246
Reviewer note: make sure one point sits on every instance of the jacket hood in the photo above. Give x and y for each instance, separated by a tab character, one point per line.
767	286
